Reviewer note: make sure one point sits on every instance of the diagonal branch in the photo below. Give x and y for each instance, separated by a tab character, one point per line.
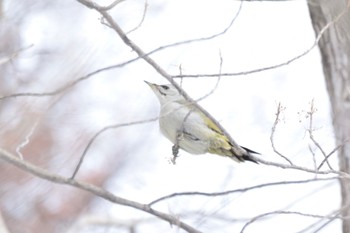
329	155
46	175
68	85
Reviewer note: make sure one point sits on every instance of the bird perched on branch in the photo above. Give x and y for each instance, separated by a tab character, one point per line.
187	126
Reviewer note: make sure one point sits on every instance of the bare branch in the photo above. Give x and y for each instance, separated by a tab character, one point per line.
329	155
26	140
98	133
280	108
310	130
112	5
332	216
93	5
100	192
69	85
13	55
202	38
242	190
295	58
286	212
329	220
313	156
217	82
143	18
300	168
107	221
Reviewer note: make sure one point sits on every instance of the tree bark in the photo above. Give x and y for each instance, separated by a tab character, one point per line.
335	52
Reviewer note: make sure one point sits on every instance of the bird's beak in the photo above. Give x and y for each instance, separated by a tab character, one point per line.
148	82
152	85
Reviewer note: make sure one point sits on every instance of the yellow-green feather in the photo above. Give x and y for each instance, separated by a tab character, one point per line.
221	144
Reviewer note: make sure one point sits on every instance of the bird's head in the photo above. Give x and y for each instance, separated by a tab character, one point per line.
166	93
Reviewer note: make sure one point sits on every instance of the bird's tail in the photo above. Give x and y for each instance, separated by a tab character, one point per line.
247	156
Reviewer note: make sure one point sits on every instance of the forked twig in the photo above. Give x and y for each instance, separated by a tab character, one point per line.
280	108
311	135
101	131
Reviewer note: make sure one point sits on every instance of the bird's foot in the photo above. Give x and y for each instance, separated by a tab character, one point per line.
175	149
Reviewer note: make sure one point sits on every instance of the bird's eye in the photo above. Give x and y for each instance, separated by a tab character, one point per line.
164	87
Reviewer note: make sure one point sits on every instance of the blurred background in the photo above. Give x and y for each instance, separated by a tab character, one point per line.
47	45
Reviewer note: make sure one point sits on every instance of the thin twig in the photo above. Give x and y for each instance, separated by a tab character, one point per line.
104	8
313	157
329	220
215	194
143	18
112	5
311	129
299	168
331	216
287	212
180	70
280	108
68	85
13	55
26	141
293	59
98	133
329	155
217	81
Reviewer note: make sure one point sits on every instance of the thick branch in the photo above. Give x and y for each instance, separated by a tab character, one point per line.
46	175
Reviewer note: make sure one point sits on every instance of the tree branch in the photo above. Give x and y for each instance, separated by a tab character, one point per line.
300	168
280	108
13	55
288	213
98	133
295	58
142	19
68	85
46	175
242	190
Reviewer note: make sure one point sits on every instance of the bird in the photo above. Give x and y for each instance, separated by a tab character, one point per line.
184	124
